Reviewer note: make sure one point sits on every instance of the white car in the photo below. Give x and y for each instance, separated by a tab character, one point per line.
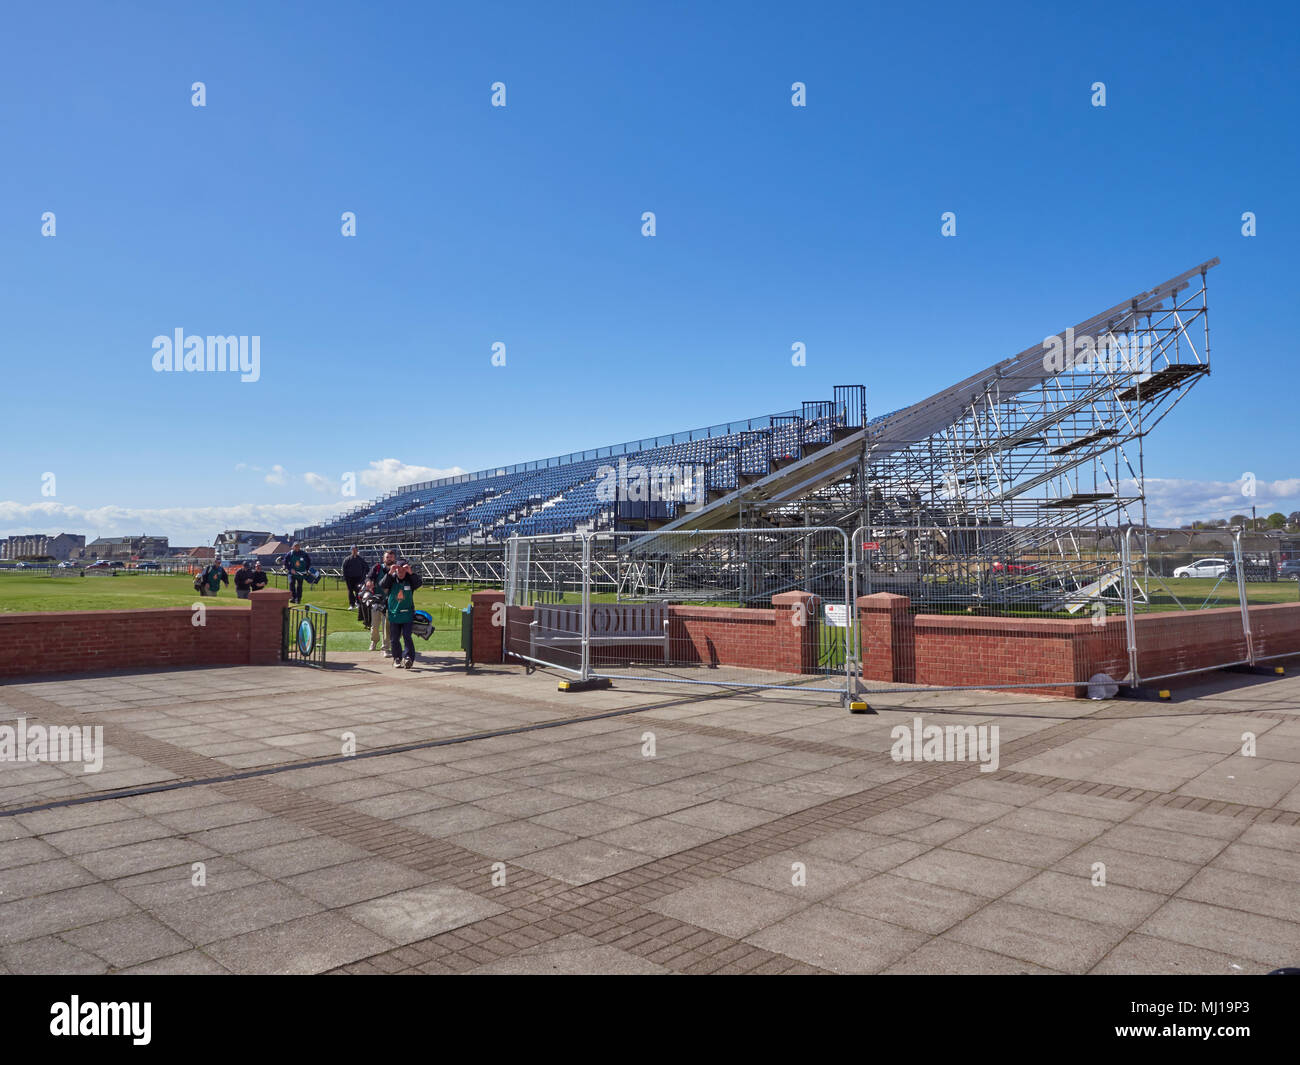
1205	567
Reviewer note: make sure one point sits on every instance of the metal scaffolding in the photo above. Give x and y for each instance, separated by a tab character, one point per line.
1035	466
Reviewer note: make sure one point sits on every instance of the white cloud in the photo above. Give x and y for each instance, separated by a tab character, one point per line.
317	482
386	474
184	526
278	475
1174	502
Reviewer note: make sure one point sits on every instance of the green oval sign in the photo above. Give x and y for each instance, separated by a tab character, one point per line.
306	637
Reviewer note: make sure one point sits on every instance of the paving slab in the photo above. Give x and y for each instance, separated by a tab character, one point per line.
619	863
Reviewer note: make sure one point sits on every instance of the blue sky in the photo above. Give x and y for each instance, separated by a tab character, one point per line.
522	225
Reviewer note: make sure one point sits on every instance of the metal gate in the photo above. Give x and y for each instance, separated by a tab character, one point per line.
303	635
738	608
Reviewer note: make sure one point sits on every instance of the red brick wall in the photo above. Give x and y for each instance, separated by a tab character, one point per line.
723	636
1276	629
980	651
1055	656
94	640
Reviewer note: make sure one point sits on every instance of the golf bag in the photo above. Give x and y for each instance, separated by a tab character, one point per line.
422	626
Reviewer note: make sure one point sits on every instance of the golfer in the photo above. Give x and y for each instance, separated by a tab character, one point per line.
399	584
297	562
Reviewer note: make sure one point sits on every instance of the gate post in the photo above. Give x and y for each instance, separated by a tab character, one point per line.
266	626
797	630
1241	596
1130	627
586	608
487	607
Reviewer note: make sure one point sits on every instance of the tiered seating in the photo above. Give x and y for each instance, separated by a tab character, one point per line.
561	494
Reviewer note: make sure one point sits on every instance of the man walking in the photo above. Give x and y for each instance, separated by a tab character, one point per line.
354	574
213	578
297	562
378	620
259	578
399	585
243	580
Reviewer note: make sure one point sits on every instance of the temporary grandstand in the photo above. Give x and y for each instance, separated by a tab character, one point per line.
1013	485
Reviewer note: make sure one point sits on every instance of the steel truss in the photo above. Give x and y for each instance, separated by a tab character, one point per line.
1044	454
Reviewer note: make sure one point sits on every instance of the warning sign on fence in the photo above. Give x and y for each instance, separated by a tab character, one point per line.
836	615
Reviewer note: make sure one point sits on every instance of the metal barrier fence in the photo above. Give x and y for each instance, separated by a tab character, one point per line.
971	607
973	593
752	609
1222	585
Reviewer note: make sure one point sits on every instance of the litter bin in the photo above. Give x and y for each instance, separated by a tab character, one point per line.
467	635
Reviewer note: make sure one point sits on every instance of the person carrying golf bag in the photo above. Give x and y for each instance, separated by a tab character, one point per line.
379	606
297	562
210	580
399	585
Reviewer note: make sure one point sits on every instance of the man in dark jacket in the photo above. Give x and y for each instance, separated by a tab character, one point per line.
354	574
244	580
399	585
297	562
259	577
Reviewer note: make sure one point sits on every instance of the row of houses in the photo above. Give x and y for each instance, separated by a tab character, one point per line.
230	544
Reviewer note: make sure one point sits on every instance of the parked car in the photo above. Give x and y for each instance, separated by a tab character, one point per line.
69	564
1289	569
102	563
146	565
1205	567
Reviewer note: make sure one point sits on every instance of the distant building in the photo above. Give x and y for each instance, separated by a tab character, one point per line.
125	548
60	547
270	549
236	543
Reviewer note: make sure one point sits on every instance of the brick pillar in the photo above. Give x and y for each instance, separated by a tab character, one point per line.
796	632
266	625
487	621
888	638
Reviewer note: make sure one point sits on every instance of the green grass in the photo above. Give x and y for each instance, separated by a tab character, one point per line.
1195	592
135	592
143	591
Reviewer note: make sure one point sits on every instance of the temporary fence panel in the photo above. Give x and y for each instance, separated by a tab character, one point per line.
1195	616
736	608
989	606
545	588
